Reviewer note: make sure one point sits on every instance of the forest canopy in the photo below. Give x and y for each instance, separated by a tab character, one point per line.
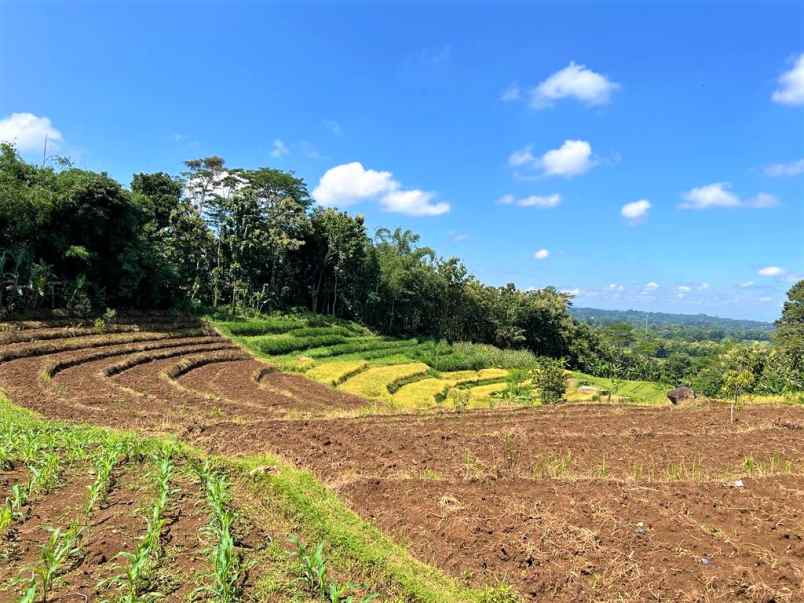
251	240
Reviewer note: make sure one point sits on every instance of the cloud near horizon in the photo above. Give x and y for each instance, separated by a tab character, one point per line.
28	132
350	183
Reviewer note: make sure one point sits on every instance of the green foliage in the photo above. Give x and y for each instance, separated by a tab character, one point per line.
55	553
550	379
314	575
227	570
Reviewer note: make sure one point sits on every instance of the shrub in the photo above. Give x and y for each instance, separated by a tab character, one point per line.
551	380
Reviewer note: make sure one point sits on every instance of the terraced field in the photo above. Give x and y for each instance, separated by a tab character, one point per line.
348	357
577	502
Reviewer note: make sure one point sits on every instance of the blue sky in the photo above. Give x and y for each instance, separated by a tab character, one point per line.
494	131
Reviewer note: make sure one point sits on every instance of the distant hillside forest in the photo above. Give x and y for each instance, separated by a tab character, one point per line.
249	241
692	327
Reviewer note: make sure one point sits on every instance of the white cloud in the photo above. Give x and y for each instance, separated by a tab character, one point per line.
765	299
539	201
521	157
761	200
541	254
531	200
718	194
770	271
511	93
635	210
794	168
746	284
572	292
652	286
333	126
413	202
703	286
711	195
28	132
570	159
574	81
279	149
791	85
351	183
616	287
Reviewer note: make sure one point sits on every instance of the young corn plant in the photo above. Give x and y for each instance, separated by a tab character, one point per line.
105	463
314	576
227	568
137	577
55	552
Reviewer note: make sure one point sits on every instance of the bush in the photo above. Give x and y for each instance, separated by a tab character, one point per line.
285	344
551	380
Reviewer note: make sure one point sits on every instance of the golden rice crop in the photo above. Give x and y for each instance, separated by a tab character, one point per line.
333	373
424	393
374	382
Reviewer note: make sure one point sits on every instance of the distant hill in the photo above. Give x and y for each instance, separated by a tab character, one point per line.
682	326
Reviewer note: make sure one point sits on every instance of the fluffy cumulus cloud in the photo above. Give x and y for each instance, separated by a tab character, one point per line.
279	148
794	168
574	81
616	287
541	254
572	158
791	85
771	271
652	286
28	132
636	210
719	194
351	183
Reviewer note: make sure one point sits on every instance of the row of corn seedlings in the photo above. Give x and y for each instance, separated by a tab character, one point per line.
314	576
136	581
106	459
227	575
60	548
44	477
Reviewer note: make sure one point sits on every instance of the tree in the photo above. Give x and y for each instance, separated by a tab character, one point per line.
789	336
735	384
551	380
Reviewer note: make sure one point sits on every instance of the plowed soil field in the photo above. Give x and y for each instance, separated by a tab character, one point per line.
572	503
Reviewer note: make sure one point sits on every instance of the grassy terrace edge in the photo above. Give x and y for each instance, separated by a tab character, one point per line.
316	508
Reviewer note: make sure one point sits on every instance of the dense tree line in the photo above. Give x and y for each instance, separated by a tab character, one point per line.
247	240
251	240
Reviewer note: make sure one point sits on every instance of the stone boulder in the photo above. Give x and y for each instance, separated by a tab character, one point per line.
680	394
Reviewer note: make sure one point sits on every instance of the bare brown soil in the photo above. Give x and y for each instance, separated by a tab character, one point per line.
114	528
572	503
